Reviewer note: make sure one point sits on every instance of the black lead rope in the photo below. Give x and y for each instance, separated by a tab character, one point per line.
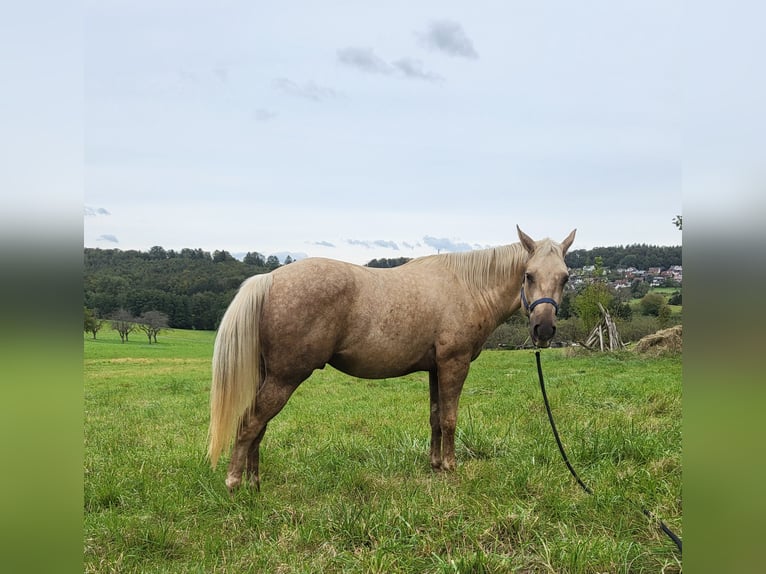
664	527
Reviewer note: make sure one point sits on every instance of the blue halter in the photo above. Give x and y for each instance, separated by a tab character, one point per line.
534	304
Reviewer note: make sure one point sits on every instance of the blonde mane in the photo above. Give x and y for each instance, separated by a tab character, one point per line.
482	268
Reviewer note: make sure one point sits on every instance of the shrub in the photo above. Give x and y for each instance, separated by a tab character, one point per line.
571	330
508	335
651	303
640	326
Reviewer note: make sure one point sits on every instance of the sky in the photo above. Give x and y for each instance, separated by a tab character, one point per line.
361	130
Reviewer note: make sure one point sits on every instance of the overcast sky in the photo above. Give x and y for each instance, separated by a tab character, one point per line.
359	130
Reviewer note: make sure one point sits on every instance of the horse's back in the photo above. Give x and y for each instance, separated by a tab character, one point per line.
369	322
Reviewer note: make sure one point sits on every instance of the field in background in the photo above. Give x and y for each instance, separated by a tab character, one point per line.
347	485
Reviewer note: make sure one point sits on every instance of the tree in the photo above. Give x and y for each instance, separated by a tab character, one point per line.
598	267
663	316
124	323
386	263
639	288
565	308
158	252
623	311
272	262
586	303
92	323
221	256
151	323
651	303
254	258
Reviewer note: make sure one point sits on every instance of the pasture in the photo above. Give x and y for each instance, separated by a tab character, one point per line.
346	481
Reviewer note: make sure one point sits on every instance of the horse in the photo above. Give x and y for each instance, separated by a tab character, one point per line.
432	314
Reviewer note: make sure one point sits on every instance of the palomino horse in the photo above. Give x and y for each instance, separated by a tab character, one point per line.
432	314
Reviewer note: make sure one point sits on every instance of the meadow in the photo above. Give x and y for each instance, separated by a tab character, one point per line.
346	480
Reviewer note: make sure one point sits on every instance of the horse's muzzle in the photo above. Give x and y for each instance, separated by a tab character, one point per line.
542	331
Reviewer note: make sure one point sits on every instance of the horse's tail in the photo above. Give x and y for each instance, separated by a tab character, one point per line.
236	364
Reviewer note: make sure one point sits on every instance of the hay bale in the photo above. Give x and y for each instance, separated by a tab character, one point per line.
665	342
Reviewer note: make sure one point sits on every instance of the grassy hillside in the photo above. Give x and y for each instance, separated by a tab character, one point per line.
346	480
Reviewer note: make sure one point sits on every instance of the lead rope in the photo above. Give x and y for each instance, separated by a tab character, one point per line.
664	527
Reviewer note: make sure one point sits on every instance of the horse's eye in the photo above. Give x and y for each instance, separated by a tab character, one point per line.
530	278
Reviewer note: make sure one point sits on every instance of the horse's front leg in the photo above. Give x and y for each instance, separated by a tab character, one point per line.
451	376
436	429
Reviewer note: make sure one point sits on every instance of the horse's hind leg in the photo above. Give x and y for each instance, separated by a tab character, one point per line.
253	461
272	396
436	429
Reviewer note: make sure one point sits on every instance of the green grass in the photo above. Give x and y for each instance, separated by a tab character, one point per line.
346	480
666	291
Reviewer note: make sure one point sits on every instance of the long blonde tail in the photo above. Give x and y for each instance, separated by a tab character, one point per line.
236	364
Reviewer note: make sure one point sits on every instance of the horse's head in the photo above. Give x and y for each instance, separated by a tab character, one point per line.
543	284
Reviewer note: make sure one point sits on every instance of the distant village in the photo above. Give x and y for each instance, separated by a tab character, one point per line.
621	278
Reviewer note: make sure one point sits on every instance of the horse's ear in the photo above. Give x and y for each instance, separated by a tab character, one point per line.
526	240
567	243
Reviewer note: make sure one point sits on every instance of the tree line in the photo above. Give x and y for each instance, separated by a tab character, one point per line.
639	256
193	288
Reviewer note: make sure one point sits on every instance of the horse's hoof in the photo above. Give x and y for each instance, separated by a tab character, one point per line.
255	481
232	484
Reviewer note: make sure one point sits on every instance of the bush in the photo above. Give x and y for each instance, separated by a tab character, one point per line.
571	330
508	335
651	303
675	299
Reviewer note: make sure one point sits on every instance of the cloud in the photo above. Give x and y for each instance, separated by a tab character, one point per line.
448	37
358	242
323	243
444	244
222	73
95	211
307	91
386	244
109	238
376	243
364	59
414	69
262	115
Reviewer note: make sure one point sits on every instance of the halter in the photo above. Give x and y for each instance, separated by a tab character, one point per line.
534	304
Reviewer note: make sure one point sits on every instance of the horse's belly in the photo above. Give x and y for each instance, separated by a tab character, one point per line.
380	364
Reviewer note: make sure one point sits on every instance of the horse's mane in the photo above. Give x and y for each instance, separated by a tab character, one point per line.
480	269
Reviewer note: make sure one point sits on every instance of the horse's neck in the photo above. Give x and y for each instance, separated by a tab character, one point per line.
503	299
500	295
492	276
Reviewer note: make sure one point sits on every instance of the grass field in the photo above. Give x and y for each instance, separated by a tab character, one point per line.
346	480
